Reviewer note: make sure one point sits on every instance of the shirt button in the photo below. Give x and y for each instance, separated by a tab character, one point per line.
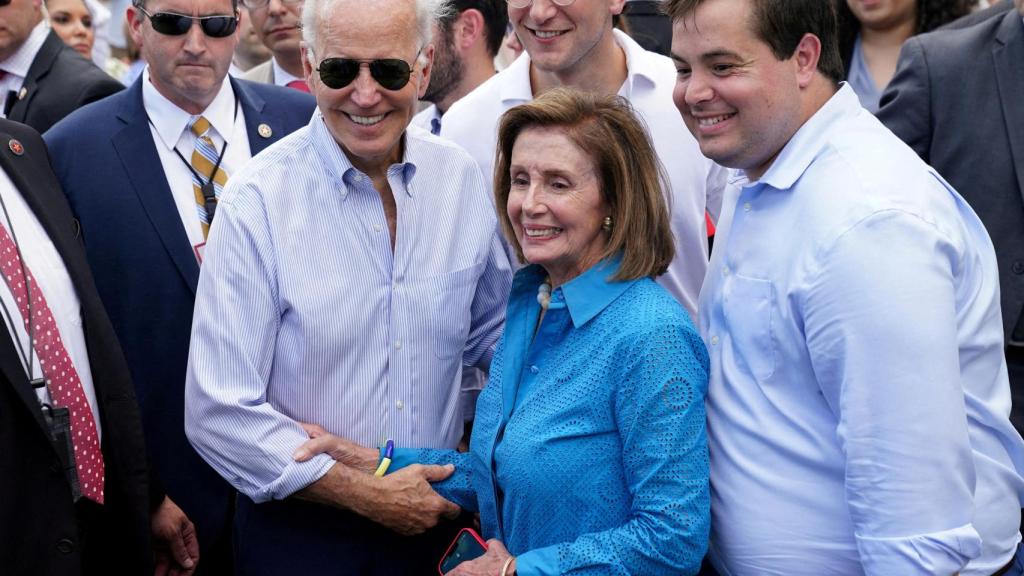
1018	267
399	404
534	370
398	344
746	206
358	178
725	270
714	340
376	227
65	546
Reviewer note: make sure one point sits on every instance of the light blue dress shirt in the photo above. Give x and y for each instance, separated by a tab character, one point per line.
304	314
858	406
859	78
589	453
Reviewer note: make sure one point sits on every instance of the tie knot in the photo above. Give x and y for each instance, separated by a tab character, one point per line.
200	126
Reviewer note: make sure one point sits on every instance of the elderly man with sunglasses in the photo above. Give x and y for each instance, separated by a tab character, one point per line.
355	269
143	171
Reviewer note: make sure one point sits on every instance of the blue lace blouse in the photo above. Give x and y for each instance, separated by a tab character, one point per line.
589	453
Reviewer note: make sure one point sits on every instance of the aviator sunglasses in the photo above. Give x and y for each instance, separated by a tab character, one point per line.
390	73
177	24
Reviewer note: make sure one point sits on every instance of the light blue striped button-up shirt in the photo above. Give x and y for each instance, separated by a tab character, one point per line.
304	314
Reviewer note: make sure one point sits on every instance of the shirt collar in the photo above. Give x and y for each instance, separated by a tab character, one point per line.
19	63
585	295
640	67
340	168
281	76
808	141
171	121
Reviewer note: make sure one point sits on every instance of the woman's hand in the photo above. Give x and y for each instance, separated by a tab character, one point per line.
345	451
487	565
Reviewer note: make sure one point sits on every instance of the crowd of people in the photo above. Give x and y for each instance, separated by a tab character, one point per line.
314	285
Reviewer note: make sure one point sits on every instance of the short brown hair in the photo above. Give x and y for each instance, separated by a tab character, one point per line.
781	24
632	180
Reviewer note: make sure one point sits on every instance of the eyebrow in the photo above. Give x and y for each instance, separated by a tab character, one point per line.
721	53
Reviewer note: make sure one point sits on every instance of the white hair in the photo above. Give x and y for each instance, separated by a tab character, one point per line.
427	12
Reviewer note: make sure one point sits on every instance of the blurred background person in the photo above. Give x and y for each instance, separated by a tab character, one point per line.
276	22
648	25
250	50
589	452
871	33
72	21
511	48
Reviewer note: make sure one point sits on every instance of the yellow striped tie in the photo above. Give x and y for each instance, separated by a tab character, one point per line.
204	158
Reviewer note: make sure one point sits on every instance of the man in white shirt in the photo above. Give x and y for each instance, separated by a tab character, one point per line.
573	44
144	186
277	24
465	43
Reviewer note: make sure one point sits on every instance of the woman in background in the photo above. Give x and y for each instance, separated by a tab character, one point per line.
72	21
871	33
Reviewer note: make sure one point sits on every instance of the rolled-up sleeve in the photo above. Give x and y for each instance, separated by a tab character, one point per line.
234	331
882	334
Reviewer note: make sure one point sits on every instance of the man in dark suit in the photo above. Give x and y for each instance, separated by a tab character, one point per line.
956	100
42	529
143	183
43	80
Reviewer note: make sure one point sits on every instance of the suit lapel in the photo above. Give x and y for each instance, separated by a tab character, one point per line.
263	131
1007	55
10	363
40	67
142	166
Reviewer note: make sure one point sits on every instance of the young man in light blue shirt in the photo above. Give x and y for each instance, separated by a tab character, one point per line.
858	406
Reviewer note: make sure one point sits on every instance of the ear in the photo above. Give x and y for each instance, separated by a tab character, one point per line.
806	57
307	66
468	28
424	70
135	19
615	7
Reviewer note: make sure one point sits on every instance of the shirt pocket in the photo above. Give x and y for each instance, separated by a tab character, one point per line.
451	309
747	304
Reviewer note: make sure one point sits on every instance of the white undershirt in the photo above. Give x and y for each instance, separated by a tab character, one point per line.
169	126
42	259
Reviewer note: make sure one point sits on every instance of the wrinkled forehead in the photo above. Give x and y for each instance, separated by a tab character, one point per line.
361	29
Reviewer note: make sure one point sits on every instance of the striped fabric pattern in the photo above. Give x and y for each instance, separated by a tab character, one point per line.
304	313
204	159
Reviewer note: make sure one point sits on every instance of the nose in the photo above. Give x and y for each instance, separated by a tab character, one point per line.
542	10
533	203
697	89
195	39
365	90
275	7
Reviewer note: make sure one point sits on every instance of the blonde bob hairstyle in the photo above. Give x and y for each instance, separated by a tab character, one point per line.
631	179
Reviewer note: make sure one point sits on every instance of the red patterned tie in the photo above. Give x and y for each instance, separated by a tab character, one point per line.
61	376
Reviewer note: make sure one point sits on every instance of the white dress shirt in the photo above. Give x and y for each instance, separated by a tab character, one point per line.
18	64
858	404
425	118
170	127
281	76
696	182
305	313
42	259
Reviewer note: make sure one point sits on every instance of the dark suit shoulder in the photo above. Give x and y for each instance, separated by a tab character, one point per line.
93	83
997	9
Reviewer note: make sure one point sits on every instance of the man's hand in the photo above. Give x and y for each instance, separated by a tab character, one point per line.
174	541
402	501
345	451
487	565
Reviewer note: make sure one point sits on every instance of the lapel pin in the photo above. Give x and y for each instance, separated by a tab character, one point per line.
16	147
264	131
21	95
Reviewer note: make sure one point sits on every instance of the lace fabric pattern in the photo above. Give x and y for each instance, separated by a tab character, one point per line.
592	458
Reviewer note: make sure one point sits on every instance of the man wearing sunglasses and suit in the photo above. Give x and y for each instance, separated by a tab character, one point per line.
41	79
348	295
142	171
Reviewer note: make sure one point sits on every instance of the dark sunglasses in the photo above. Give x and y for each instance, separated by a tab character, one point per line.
177	24
390	73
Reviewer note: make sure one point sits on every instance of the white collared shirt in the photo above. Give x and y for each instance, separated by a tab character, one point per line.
281	76
169	125
42	259
696	182
17	64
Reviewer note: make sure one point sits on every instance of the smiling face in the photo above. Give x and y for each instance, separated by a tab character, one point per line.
740	102
555	203
72	22
277	25
560	39
189	69
365	119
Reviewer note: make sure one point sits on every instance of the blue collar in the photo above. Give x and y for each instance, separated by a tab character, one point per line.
585	295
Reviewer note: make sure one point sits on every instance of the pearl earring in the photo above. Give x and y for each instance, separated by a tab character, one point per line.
607	224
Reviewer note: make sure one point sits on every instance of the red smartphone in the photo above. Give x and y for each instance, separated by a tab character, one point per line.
466	546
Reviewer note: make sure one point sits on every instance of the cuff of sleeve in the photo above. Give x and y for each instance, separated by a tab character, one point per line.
539	562
295	477
945	552
401	458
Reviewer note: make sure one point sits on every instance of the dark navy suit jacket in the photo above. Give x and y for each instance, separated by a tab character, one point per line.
145	268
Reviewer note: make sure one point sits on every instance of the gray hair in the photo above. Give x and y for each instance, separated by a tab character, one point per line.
427	12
